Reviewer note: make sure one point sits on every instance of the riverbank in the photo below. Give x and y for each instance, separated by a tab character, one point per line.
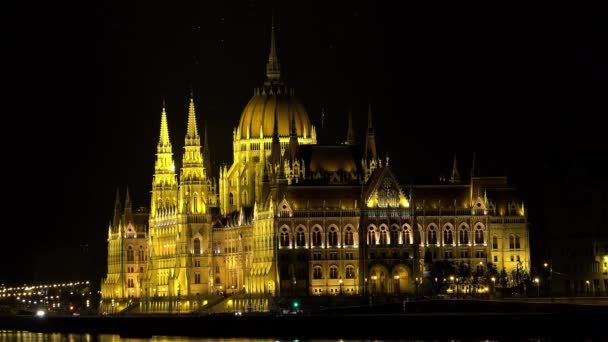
416	321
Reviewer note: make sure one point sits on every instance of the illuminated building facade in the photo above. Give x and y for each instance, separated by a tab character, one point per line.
291	217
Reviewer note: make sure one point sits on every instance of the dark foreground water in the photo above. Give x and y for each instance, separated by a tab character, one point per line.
26	336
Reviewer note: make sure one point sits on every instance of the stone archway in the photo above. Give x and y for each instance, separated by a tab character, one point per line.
379	279
400	279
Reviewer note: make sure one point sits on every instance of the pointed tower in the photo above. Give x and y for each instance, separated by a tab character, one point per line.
275	154
192	193
455	177
370	142
350	134
292	151
273	68
164	183
128	208
117	212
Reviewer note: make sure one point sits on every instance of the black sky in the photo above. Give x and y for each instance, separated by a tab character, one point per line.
524	87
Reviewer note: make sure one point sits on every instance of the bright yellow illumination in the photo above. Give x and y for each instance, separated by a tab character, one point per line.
373	201
172	167
403	201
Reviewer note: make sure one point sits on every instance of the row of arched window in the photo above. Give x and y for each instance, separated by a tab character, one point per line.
317	239
403	235
349	272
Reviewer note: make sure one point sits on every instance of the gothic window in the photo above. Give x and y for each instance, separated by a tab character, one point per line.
494	242
333	237
231	199
197	246
130	283
447	237
395	236
197	278
371	237
432	236
463	236
300	238
333	272
406	237
284	238
316	237
383	236
142	255
350	272
478	235
195	203
348	237
517	242
511	242
130	255
317	273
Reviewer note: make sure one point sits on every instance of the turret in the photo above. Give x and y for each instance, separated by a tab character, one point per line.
350	134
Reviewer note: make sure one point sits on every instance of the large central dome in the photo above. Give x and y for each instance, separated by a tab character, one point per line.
274	97
258	116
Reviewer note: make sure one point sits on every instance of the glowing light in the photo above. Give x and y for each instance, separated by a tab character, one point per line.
40	313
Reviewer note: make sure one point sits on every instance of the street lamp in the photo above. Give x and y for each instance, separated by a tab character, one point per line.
537	281
588	286
493	284
550	266
340	281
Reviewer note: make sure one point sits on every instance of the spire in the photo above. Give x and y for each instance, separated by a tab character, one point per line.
370	143
273	68
192	137
350	134
128	208
117	209
455	178
207	154
293	137
128	199
275	153
164	129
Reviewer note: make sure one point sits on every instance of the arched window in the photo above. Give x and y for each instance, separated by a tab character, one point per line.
130	255
333	237
142	255
432	236
350	272
447	237
333	272
511	241
195	203
317	272
316	237
348	237
231	198
478	235
197	246
494	242
406	236
383	236
301	238
284	238
517	242
463	236
395	236
371	237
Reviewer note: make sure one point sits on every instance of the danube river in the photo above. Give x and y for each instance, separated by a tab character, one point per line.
26	336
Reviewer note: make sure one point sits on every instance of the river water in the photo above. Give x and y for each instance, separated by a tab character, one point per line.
26	336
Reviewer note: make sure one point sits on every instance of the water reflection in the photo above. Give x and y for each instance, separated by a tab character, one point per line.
26	336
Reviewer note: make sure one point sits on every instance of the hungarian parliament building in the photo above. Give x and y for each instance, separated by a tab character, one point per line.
292	217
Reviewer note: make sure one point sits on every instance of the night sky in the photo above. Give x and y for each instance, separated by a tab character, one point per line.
523	87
